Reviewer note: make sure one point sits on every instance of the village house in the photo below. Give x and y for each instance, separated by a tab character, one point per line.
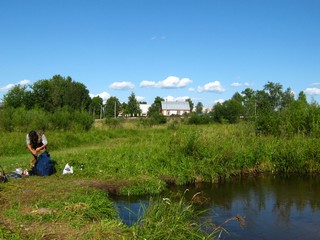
144	109
174	108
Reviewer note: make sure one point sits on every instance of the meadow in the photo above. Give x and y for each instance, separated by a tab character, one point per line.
129	157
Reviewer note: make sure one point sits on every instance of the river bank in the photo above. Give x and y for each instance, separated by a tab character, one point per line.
130	159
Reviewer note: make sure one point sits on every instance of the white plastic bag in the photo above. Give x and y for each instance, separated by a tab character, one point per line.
67	169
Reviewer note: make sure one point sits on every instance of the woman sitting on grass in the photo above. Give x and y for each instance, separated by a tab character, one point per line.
36	143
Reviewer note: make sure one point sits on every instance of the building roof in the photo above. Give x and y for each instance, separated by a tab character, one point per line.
165	105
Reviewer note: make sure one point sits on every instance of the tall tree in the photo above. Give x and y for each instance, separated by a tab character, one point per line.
113	107
17	96
249	103
41	95
133	107
155	107
190	104
96	106
66	92
275	93
199	108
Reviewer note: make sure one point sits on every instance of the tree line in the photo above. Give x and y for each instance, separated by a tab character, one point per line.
57	100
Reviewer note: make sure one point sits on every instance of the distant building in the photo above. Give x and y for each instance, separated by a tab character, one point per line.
174	108
144	109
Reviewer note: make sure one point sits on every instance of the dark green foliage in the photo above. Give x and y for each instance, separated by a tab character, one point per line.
199	108
230	111
17	97
133	108
23	120
96	106
197	119
158	118
50	95
154	119
113	107
191	104
155	108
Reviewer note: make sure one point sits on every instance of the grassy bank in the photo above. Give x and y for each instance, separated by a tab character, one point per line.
130	159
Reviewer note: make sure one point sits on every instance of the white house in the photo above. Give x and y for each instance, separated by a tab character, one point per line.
144	109
174	108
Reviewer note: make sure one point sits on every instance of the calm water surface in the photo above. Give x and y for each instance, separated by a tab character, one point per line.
274	207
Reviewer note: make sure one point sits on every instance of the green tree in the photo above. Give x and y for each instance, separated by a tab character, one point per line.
133	107
113	107
96	106
275	94
232	110
66	92
217	112
155	107
199	108
41	95
190	104
18	96
249	103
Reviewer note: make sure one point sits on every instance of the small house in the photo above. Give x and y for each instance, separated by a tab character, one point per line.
144	109
174	108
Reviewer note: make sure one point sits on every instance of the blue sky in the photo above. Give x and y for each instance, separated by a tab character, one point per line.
205	50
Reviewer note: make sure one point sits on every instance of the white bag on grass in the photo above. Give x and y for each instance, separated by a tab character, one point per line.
67	169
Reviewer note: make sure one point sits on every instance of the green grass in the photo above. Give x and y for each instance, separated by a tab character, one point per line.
129	159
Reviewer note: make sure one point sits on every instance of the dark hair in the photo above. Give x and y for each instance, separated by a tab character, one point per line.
33	137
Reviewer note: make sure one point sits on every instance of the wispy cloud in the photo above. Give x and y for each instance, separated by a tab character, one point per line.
315	84
169	82
211	87
11	85
153	38
312	91
237	84
121	85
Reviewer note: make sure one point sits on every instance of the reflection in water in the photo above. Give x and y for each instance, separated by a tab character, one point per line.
274	207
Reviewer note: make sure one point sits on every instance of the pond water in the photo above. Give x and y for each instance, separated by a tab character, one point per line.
274	207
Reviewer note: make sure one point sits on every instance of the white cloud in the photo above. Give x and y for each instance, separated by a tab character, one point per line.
237	84
211	87
11	85
169	82
121	85
24	82
146	83
139	98
6	88
176	99
312	91
191	89
315	84
104	95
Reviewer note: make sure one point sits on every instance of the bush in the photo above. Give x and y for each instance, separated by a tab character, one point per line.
23	120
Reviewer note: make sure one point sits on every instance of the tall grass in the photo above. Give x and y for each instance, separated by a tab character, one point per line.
146	158
170	218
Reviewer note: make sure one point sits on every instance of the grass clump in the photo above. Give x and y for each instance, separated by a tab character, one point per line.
166	218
